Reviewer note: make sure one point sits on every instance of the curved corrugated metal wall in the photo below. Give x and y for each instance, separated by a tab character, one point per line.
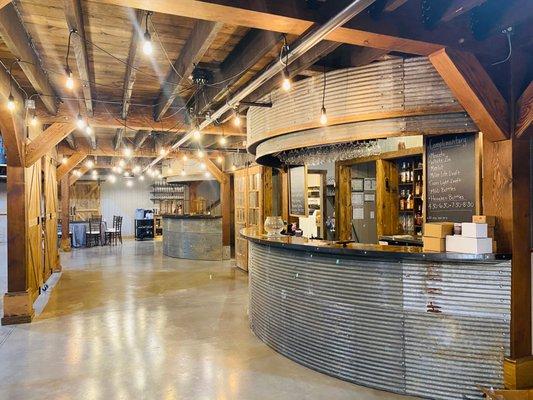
419	328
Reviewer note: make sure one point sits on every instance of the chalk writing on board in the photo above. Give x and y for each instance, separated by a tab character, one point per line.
298	192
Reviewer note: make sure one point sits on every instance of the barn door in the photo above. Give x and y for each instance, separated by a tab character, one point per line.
34	246
386	197
51	255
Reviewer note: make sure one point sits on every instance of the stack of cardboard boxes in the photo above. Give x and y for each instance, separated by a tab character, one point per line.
475	238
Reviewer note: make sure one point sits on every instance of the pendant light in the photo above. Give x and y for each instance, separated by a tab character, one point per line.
286	82
11	100
147	38
223	140
236	118
323	114
69	81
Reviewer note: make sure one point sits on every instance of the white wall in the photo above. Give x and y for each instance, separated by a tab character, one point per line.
118	199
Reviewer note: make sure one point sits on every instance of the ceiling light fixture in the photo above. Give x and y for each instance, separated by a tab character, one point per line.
196	134
236	118
183	173
11	102
33	121
80	122
69	82
323	114
286	83
88	130
147	38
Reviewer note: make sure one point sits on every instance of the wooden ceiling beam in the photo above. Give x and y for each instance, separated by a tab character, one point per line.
460	7
215	171
524	106
141	120
19	43
74	17
475	91
117	141
72	162
73	178
71	140
282	17
12	124
393	5
46	141
248	52
199	41
140	138
4	3
131	73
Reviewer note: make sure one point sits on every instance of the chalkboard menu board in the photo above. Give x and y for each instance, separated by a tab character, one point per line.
451	177
298	191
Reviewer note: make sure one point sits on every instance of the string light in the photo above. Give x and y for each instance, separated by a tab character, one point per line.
80	122
64	160
286	85
147	39
129	183
163	152
202	166
88	130
89	163
121	163
200	153
11	102
233	168
141	177
119	170
33	121
323	114
207	174
220	159
95	172
183	173
185	158
127	152
112	178
69	82
136	169
196	134
223	140
237	119
126	174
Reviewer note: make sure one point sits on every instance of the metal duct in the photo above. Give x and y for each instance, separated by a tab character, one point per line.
304	43
370	321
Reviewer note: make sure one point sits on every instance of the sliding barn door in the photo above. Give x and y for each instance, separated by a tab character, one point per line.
34	246
51	255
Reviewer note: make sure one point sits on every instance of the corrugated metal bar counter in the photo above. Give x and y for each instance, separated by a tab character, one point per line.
392	318
196	237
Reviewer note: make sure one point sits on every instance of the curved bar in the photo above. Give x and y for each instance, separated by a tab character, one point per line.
195	237
392	318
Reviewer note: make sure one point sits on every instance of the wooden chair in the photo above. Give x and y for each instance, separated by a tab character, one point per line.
94	234
115	232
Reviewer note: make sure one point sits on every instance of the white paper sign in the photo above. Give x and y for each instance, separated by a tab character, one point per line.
358	213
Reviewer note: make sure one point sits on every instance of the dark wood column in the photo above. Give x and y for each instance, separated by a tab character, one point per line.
18	300
65	214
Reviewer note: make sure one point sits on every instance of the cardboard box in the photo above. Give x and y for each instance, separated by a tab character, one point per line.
470	245
490	220
434	244
518	373
474	230
438	229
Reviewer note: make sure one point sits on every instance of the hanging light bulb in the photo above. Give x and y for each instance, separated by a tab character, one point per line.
323	116
200	153
141	177
114	169
33	121
119	170
286	84
202	165
196	134
233	168
69	82
126	174
207	174
237	119
129	183
163	152
112	178
223	140
80	122
121	163
64	160
220	159
136	169
185	158
147	41
183	173
88	130
89	163
95	172
127	152
11	102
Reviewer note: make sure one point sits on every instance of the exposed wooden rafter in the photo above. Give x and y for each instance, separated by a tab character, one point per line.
131	73
524	122
215	171
117	141
201	37
250	50
460	7
74	16
72	162
140	138
474	89
283	17
142	120
73	178
19	43
46	141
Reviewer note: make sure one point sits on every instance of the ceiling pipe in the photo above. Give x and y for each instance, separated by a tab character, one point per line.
302	45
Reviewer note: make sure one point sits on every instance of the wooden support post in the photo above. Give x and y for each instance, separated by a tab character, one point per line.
284	176
225	206
343	202
18	301
65	214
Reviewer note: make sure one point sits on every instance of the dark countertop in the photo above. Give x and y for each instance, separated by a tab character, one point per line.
400	238
360	249
191	216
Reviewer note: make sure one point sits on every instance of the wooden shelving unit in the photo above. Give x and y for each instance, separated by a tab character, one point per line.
167	197
253	202
410	195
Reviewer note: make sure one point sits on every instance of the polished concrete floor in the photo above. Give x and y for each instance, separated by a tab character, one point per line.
127	322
